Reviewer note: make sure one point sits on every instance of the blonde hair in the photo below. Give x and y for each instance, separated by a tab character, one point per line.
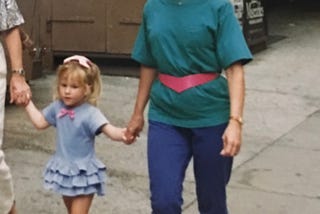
86	76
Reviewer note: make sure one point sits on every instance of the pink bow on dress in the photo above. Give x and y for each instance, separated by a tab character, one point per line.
64	112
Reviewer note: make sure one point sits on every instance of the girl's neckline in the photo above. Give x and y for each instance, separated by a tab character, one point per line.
72	107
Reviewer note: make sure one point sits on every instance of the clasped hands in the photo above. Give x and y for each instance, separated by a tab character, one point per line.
20	92
134	128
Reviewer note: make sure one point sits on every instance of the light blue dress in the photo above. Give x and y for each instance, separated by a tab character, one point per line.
74	168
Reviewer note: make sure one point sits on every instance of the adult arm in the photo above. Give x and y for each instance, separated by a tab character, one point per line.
232	137
20	92
136	123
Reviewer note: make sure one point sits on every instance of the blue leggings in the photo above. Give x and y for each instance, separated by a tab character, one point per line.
170	148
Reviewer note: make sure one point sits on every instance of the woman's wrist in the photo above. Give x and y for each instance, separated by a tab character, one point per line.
237	119
19	71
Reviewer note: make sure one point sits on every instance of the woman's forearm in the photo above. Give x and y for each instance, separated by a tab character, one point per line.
147	76
236	83
14	46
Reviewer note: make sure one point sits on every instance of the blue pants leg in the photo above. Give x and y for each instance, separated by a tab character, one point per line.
170	149
212	171
169	153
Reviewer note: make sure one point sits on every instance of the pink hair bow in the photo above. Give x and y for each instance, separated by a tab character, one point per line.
82	60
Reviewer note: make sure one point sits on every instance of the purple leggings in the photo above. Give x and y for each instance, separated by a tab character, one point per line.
170	149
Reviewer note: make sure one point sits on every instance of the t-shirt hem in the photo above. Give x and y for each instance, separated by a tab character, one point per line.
199	123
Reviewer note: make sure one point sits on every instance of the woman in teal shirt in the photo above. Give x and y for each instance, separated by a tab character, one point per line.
183	46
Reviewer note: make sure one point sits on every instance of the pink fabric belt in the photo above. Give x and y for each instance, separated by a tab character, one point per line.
180	84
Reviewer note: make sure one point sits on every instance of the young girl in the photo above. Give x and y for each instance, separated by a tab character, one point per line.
74	170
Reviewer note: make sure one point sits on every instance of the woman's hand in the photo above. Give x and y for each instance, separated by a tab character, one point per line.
134	128
232	139
20	92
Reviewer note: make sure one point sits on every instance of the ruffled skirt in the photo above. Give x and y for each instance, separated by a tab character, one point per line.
72	178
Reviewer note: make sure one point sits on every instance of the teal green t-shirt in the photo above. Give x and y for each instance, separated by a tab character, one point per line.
182	37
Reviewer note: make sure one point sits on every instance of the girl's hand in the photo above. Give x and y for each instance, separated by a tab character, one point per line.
232	139
115	133
125	138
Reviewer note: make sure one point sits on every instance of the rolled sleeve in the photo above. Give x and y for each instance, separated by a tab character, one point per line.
141	51
10	15
231	43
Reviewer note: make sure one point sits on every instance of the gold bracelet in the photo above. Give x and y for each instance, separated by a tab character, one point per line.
237	119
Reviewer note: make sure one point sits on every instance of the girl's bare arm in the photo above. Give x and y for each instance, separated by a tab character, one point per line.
114	133
36	116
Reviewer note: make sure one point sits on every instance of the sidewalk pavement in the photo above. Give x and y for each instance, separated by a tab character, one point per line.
276	172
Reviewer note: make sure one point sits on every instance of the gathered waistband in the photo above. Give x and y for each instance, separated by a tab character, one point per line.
180	84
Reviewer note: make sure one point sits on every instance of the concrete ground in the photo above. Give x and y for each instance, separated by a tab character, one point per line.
277	171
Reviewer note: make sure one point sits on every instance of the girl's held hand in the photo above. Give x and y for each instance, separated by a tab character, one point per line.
127	139
231	140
